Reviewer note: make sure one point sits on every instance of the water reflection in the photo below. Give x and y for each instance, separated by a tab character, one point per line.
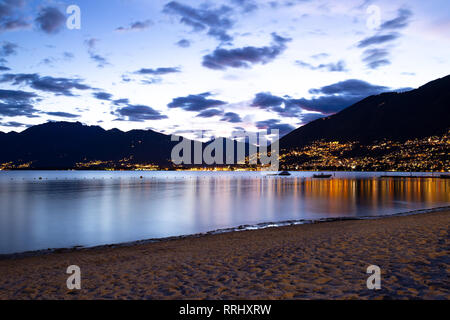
77	208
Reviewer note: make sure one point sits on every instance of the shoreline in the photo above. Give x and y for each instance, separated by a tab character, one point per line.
308	261
258	226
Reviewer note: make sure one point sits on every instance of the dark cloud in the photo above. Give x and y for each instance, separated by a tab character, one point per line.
220	59
15	109
271	124
157	71
50	20
8	49
401	21
184	43
16	95
14	124
351	87
335	97
3	68
215	21
138	113
375	57
331	67
102	96
136	26
100	60
210	113
266	99
91	43
10	17
231	117
62	114
378	39
198	102
58	86
119	102
329	99
153	80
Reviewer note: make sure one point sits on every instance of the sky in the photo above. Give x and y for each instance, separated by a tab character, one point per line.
207	68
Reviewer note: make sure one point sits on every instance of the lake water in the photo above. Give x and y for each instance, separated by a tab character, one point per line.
70	208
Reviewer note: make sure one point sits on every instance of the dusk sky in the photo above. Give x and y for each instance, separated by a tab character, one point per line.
183	66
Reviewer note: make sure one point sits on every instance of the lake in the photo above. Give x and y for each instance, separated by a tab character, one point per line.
89	208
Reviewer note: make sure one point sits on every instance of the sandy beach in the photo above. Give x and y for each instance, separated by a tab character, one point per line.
316	261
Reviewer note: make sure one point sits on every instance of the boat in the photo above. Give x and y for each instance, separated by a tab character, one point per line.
322	176
284	173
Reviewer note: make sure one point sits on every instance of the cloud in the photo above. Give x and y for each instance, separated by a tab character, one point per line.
102	96
16	95
401	21
15	103
351	87
8	48
14	124
271	124
231	117
100	60
339	66
246	5
3	68
337	96
50	20
266	99
15	109
119	102
62	114
320	55
10	18
210	113
136	26
328	100
198	102
375	57
378	39
158	71
58	86
68	55
221	59
183	43
138	113
91	43
216	21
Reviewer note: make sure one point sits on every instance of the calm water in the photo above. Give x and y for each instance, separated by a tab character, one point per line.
66	209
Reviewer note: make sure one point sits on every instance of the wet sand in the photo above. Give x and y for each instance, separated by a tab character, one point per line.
316	261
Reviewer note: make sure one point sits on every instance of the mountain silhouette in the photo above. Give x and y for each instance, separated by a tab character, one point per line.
61	145
393	116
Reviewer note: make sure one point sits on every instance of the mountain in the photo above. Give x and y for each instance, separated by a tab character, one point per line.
63	145
393	116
